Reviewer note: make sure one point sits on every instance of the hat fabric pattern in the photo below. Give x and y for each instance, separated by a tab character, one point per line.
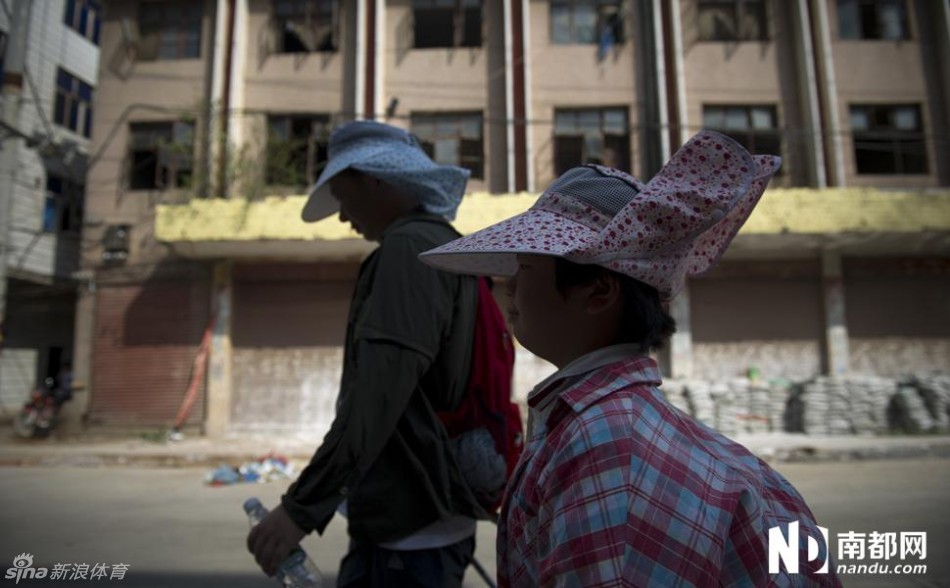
394	156
678	224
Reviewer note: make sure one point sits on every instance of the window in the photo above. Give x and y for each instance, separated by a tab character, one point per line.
84	17
73	106
169	30
296	149
447	23
452	139
3	51
161	155
63	210
596	135
732	20
586	21
754	127
888	139
873	19
305	26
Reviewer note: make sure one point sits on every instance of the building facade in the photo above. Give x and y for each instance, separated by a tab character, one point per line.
213	117
50	54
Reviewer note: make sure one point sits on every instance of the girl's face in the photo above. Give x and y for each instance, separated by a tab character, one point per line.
541	318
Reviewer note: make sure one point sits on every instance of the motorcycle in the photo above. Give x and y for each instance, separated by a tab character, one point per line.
38	416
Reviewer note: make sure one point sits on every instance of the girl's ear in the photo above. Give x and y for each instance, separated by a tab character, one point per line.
602	294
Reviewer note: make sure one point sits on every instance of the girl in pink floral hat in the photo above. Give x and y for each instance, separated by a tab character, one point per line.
616	487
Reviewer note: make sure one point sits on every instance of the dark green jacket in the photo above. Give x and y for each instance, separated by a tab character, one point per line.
408	350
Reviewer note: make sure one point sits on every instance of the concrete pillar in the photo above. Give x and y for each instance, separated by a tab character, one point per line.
836	358
681	344
941	25
219	361
72	417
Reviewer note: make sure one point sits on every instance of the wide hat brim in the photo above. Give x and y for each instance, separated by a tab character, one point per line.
491	251
678	224
439	188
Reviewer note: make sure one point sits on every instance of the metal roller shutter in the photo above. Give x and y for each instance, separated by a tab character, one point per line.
288	329
146	338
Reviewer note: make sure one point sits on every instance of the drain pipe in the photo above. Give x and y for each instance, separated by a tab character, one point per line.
224	115
676	25
359	98
661	97
829	98
816	145
509	101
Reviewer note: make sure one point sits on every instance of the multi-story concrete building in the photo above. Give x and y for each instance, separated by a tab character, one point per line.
50	50
213	116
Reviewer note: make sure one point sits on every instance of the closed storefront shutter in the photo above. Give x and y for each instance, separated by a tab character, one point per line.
146	337
288	329
897	315
762	316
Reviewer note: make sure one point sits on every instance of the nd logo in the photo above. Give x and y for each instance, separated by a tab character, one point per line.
786	549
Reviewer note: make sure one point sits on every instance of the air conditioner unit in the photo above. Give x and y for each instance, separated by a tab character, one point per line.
115	243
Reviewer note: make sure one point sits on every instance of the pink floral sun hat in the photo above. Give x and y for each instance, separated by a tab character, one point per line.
678	224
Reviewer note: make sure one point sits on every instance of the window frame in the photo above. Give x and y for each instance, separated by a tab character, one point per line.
4	38
76	16
169	16
172	157
69	102
460	13
601	8
315	147
876	134
309	11
64	207
561	139
466	159
860	33
747	136
738	18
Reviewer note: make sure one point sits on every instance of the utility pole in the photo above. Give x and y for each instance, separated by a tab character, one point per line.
12	93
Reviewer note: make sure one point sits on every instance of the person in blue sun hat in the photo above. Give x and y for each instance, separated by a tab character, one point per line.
391	155
386	463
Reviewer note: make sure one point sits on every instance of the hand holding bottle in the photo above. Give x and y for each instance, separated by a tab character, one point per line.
274	541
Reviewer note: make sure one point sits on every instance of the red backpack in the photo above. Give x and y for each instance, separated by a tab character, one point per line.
485	430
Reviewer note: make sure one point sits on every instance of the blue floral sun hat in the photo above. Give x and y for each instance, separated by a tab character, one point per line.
394	156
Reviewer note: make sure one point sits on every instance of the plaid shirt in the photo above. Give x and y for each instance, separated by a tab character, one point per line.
616	487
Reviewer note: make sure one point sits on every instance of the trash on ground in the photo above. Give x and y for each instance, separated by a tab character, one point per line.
266	469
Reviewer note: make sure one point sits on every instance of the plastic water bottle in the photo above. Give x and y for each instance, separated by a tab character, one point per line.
298	570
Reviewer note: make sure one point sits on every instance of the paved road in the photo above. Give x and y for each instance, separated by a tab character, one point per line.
175	532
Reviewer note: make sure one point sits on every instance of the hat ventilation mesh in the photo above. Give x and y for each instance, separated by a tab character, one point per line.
606	194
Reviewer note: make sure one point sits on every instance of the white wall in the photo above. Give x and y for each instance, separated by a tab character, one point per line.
51	44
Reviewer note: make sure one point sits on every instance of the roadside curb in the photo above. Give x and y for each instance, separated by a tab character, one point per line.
805	454
201	452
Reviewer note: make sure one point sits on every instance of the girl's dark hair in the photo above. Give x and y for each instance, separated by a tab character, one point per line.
644	321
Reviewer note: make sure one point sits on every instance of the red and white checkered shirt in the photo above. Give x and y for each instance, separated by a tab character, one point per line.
616	487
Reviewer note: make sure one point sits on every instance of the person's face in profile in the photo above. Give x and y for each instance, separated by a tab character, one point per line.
360	204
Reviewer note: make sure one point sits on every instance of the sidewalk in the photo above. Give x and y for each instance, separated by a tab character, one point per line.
94	451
